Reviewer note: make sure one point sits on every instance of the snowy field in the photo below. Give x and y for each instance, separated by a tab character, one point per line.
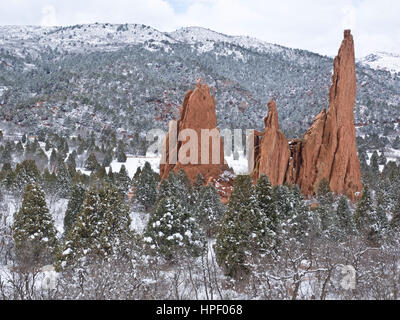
132	163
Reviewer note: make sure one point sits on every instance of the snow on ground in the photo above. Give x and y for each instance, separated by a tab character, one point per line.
133	163
391	155
208	37
57	211
139	221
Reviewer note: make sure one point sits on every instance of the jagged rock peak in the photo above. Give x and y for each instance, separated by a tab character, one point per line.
271	120
328	149
197	113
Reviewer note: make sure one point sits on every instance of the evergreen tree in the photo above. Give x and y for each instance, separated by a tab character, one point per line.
110	176
26	173
301	221
242	229
33	230
74	207
396	143
5	170
123	181
171	231
136	176
344	225
395	222
63	181
146	187
41	159
108	157
101	228
295	221
208	209
120	152
53	160
176	184
325	209
19	150
382	207
49	182
365	217
71	162
5	156
266	203
48	145
374	162
324	193
382	159
91	163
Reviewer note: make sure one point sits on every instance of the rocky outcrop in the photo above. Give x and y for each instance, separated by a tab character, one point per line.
328	149
197	113
273	149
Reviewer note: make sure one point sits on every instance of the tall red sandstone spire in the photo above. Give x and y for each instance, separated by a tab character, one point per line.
197	113
328	149
274	149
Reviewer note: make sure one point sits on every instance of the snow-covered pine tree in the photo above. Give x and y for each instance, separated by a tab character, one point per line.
146	187
242	229
266	203
33	230
53	159
26	173
48	182
120	152
123	181
301	221
71	162
116	234
91	163
374	162
5	170
395	222
344	225
74	206
208	209
366	219
382	159
325	208
63	179
108	157
172	232
176	184
101	228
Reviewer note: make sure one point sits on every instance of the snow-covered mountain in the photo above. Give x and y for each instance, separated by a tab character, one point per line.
132	78
78	38
382	61
208	38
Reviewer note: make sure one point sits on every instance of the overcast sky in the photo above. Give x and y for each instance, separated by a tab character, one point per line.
315	25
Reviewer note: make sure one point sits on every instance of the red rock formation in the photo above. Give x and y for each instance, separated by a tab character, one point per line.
328	149
274	152
197	113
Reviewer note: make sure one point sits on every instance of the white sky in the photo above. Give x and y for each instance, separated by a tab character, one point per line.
315	25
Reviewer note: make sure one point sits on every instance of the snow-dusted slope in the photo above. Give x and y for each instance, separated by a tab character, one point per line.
208	37
79	37
383	61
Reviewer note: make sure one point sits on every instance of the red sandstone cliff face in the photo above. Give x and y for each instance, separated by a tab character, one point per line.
197	113
328	149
